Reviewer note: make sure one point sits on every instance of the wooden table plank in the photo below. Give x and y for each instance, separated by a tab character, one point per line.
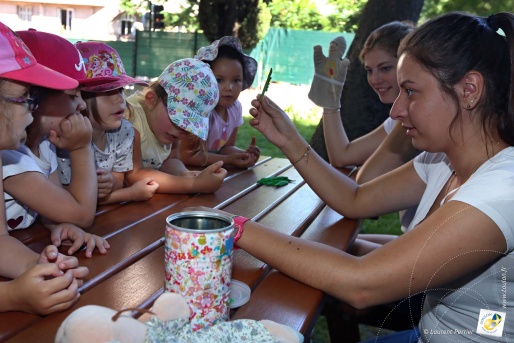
129	288
290	217
332	229
133	227
144	237
278	291
283	300
132	273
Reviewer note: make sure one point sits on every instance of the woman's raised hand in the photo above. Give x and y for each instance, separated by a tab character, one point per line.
272	122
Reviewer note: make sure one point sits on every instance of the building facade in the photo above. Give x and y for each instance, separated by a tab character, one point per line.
74	19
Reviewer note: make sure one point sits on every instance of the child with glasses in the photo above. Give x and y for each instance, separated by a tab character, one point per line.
47	282
30	103
31	182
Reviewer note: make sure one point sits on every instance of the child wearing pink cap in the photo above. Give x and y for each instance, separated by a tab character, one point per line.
47	282
234	72
57	123
175	106
113	136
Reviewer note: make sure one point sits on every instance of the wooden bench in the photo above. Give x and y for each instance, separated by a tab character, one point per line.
131	274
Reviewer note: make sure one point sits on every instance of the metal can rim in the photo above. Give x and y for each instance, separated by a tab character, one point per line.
203	214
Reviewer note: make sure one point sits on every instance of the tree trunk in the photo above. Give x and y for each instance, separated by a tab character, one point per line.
361	109
220	18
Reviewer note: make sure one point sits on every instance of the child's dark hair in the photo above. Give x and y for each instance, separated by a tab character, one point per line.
226	51
453	44
387	37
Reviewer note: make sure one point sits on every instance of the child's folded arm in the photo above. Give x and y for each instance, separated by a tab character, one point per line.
17	257
140	190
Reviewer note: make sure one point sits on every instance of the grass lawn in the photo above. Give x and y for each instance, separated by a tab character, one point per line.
387	224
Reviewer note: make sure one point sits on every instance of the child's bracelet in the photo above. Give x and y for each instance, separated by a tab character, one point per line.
305	155
331	110
238	224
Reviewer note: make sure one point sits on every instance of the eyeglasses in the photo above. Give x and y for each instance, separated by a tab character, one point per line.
32	103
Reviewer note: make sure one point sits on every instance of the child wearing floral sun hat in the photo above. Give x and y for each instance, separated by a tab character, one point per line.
175	106
113	136
234	72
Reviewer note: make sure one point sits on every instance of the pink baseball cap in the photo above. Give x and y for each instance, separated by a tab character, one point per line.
18	63
104	63
59	54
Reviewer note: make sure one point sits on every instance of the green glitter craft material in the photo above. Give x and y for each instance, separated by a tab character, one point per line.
266	84
275	181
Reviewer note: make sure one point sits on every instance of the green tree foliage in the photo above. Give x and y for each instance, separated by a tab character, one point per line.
433	8
251	19
185	17
292	14
132	6
305	15
346	16
296	14
255	26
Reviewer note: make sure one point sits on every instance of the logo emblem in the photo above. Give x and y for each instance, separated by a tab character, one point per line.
81	64
491	323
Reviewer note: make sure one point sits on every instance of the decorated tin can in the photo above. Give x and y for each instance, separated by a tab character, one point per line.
198	259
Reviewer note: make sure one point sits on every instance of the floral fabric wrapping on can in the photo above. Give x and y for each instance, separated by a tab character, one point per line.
192	94
199	267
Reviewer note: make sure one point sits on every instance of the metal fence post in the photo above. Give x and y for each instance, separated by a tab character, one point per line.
134	55
195	48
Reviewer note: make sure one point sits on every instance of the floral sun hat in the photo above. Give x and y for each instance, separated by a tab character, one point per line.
104	62
192	94
209	53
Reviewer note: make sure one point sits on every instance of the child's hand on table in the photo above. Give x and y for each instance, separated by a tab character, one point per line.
79	237
144	189
254	150
210	179
65	263
43	289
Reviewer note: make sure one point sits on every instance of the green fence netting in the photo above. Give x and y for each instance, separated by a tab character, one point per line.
156	50
288	52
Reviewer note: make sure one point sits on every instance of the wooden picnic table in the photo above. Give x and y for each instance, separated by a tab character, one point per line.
131	274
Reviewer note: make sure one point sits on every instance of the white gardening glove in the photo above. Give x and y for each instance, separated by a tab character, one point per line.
329	75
